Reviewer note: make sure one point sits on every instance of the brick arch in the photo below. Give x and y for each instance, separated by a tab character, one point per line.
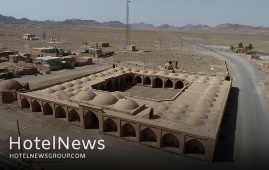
128	130
129	79
110	125
73	116
122	82
36	107
60	112
194	146
116	84
25	103
148	135
158	82
147	81
109	86
138	80
179	84
170	140
47	109
91	120
169	83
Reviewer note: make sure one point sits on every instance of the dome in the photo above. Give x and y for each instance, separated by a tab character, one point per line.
194	122
112	70
198	115
204	103
77	87
100	75
77	82
85	95
85	79
121	71
152	72
143	71
162	73
69	89
105	99
58	87
216	81
76	91
48	90
135	70
203	78
173	116
193	77
162	107
126	104
11	85
211	93
208	98
106	72
202	81
178	111
182	105
119	68
85	88
172	74
68	84
62	95
118	95
92	76
127	69
201	108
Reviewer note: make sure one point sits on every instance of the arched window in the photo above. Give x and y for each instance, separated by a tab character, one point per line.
25	103
170	140
110	125
128	130
47	109
36	106
60	112
194	147
158	83
148	135
91	121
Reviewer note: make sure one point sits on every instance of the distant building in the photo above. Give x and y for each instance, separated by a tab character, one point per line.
103	44
22	69
47	60
27	36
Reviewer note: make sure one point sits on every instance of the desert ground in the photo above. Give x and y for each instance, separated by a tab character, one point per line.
162	46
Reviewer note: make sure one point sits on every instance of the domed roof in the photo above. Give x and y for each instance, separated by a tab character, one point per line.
183	76
173	116
198	115
208	98
69	89
202	81
194	122
58	87
100	75
48	90
127	69
121	71
204	103
62	95
126	104
162	107
152	72
112	70
135	70
119	68
11	85
77	82
77	87
211	93
178	111
85	79
106	72
70	94
143	71
85	88
76	91
85	95
162	73
172	74
105	99
216	81
92	76
68	84
118	95
203	78
182	105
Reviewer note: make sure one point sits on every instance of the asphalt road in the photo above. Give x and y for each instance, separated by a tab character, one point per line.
251	150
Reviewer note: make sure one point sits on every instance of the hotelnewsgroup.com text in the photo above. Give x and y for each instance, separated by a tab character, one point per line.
55	144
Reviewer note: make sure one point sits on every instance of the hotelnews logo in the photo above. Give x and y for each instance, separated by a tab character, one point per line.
56	143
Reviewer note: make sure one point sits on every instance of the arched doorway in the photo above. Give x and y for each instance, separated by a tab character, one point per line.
194	147
138	80
170	140
122	82
110	126
36	106
147	81
116	84
148	135
47	109
128	130
129	79
91	121
109	86
73	116
60	112
179	85
169	84
102	87
158	83
25	103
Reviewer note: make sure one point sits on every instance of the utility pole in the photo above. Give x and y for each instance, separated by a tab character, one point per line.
127	29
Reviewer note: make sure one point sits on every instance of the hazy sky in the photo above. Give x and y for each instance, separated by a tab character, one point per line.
173	12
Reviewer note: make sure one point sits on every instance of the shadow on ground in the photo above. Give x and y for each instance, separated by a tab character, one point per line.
225	145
